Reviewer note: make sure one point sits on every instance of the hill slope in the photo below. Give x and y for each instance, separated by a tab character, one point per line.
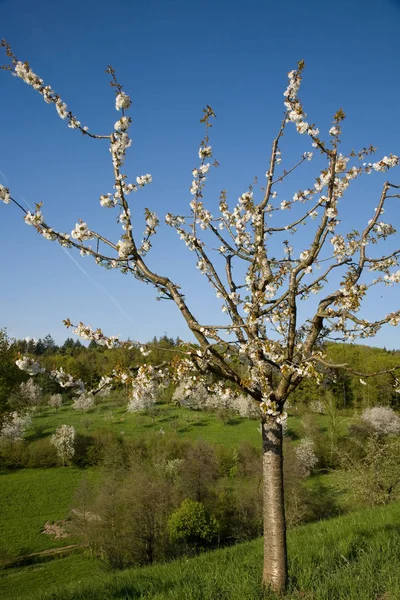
354	557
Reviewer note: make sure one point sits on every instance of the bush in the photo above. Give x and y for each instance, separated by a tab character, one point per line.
41	454
192	525
375	477
13	454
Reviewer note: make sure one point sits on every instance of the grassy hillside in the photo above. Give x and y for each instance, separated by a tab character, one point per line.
28	499
108	416
189	424
354	557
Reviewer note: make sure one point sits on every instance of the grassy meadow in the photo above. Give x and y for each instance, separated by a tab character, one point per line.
352	557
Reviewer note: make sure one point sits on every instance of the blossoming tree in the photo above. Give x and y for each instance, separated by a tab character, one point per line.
63	440
265	347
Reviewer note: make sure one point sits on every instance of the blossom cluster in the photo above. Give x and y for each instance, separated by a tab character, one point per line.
94	335
146	387
5	194
29	365
273	411
81	232
293	105
25	73
152	222
65	380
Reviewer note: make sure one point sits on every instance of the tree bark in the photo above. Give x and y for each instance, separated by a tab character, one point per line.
275	553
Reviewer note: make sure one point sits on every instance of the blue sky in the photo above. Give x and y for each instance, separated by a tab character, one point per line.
173	57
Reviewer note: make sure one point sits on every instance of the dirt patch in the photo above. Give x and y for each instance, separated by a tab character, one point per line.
57	529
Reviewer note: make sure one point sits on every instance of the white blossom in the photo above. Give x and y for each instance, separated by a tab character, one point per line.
387	162
29	365
81	232
205	152
316	406
122	124
122	101
5	194
145	388
335	130
125	248
34	219
144	179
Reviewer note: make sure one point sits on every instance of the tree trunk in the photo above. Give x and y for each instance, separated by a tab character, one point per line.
275	555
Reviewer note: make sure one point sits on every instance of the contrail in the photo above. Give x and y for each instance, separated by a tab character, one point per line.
101	287
96	283
4	177
26	203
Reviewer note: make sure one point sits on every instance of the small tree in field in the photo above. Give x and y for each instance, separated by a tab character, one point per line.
83	402
268	341
63	439
14	426
30	392
55	401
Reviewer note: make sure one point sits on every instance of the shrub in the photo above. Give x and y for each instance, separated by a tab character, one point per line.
13	454
191	525
375	477
41	454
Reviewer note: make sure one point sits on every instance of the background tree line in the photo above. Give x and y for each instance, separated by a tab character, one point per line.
91	362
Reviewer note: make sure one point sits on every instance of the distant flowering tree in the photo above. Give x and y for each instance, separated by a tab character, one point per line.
63	440
14	426
30	392
306	456
201	399
55	401
382	419
265	345
316	406
83	402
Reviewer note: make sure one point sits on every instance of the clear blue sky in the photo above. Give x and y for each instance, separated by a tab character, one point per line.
173	57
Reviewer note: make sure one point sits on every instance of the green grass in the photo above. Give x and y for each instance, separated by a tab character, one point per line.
29	498
354	557
188	424
36	579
